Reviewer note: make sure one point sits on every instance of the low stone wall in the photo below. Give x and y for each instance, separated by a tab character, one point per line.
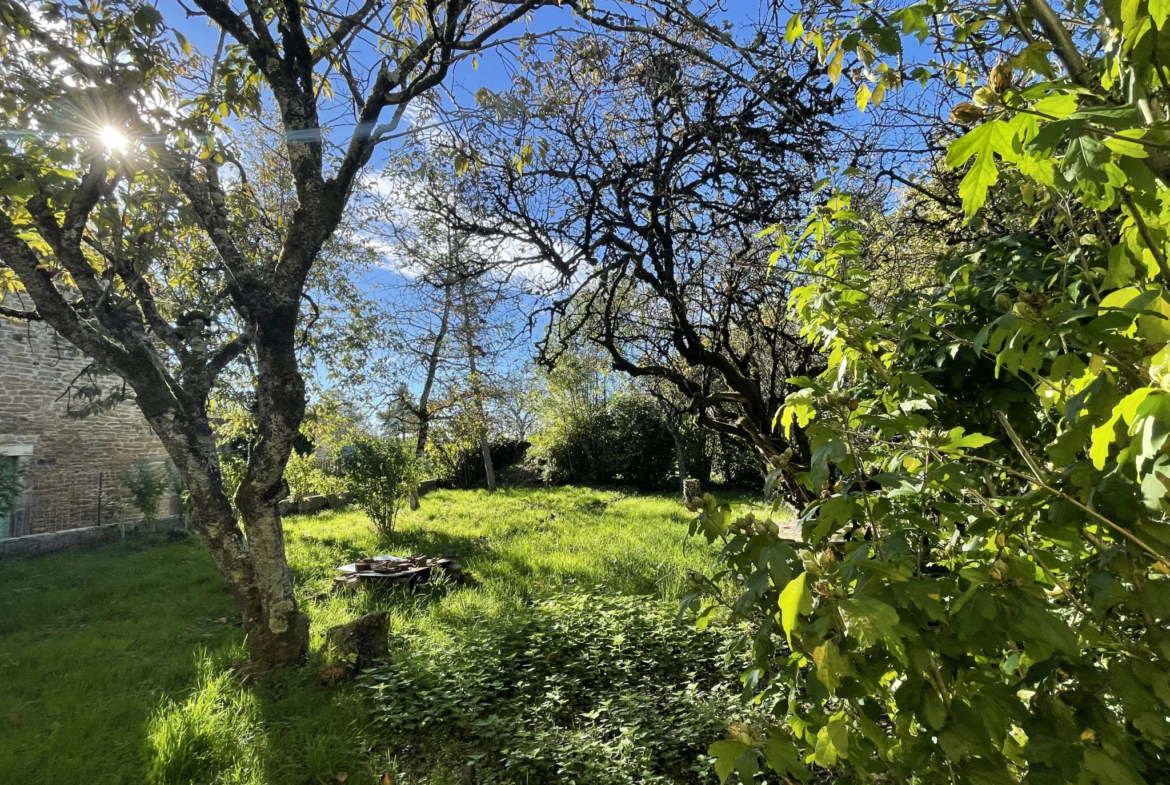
49	542
314	503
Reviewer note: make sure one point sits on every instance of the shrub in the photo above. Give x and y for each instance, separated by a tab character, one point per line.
147	487
625	441
979	593
307	475
596	690
465	467
379	472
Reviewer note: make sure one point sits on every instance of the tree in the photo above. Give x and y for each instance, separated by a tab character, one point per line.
453	324
423	319
131	153
980	592
646	175
422	410
517	399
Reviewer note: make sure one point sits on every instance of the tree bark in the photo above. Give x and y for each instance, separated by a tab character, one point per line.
253	564
477	393
423	412
680	454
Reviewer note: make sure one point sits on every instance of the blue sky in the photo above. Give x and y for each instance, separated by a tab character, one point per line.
492	71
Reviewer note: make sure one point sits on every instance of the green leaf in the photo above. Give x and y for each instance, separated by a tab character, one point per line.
1126	147
1121	269
1105	434
831	517
869	620
1085	160
1043	633
961	439
831	452
1154	324
832	741
1109	771
831	666
795	601
982	143
1159	12
747	765
725	753
933	708
784	758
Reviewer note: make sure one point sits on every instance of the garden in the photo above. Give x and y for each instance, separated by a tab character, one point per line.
565	661
699	391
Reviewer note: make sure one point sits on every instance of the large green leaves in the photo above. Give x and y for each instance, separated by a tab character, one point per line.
988	526
983	143
795	601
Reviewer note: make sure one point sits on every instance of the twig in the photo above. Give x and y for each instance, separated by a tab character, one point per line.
1039	480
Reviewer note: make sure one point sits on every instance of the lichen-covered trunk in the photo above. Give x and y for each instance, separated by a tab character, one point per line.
278	631
279	635
246	541
253	565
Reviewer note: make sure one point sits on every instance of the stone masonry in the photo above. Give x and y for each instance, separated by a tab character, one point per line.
72	468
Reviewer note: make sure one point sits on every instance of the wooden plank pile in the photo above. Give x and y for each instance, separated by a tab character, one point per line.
397	572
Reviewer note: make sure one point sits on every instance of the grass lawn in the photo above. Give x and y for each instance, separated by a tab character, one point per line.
115	663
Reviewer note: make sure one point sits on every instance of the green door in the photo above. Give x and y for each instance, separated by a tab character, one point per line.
9	492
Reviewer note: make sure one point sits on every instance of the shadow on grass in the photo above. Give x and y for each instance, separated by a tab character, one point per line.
89	640
281	728
101	675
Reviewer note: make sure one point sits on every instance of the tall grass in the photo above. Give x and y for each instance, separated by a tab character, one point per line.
115	663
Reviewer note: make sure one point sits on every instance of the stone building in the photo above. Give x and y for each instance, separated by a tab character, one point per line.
72	465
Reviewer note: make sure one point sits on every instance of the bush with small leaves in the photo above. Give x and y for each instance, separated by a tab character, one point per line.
379	472
147	486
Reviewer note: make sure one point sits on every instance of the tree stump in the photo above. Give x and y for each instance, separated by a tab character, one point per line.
362	642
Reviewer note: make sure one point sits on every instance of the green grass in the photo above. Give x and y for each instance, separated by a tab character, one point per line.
115	662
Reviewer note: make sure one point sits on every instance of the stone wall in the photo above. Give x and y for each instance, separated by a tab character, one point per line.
72	467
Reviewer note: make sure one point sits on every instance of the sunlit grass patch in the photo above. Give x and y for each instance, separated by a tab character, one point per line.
117	663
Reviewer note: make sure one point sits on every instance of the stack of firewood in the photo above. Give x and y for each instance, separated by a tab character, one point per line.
395	571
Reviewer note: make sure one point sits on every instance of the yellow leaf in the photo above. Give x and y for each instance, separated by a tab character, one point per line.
795	601
794	29
835	65
863	96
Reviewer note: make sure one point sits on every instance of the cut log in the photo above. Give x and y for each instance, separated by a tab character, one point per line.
362	642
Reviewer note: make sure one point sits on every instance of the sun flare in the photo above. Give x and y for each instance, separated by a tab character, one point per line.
113	139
